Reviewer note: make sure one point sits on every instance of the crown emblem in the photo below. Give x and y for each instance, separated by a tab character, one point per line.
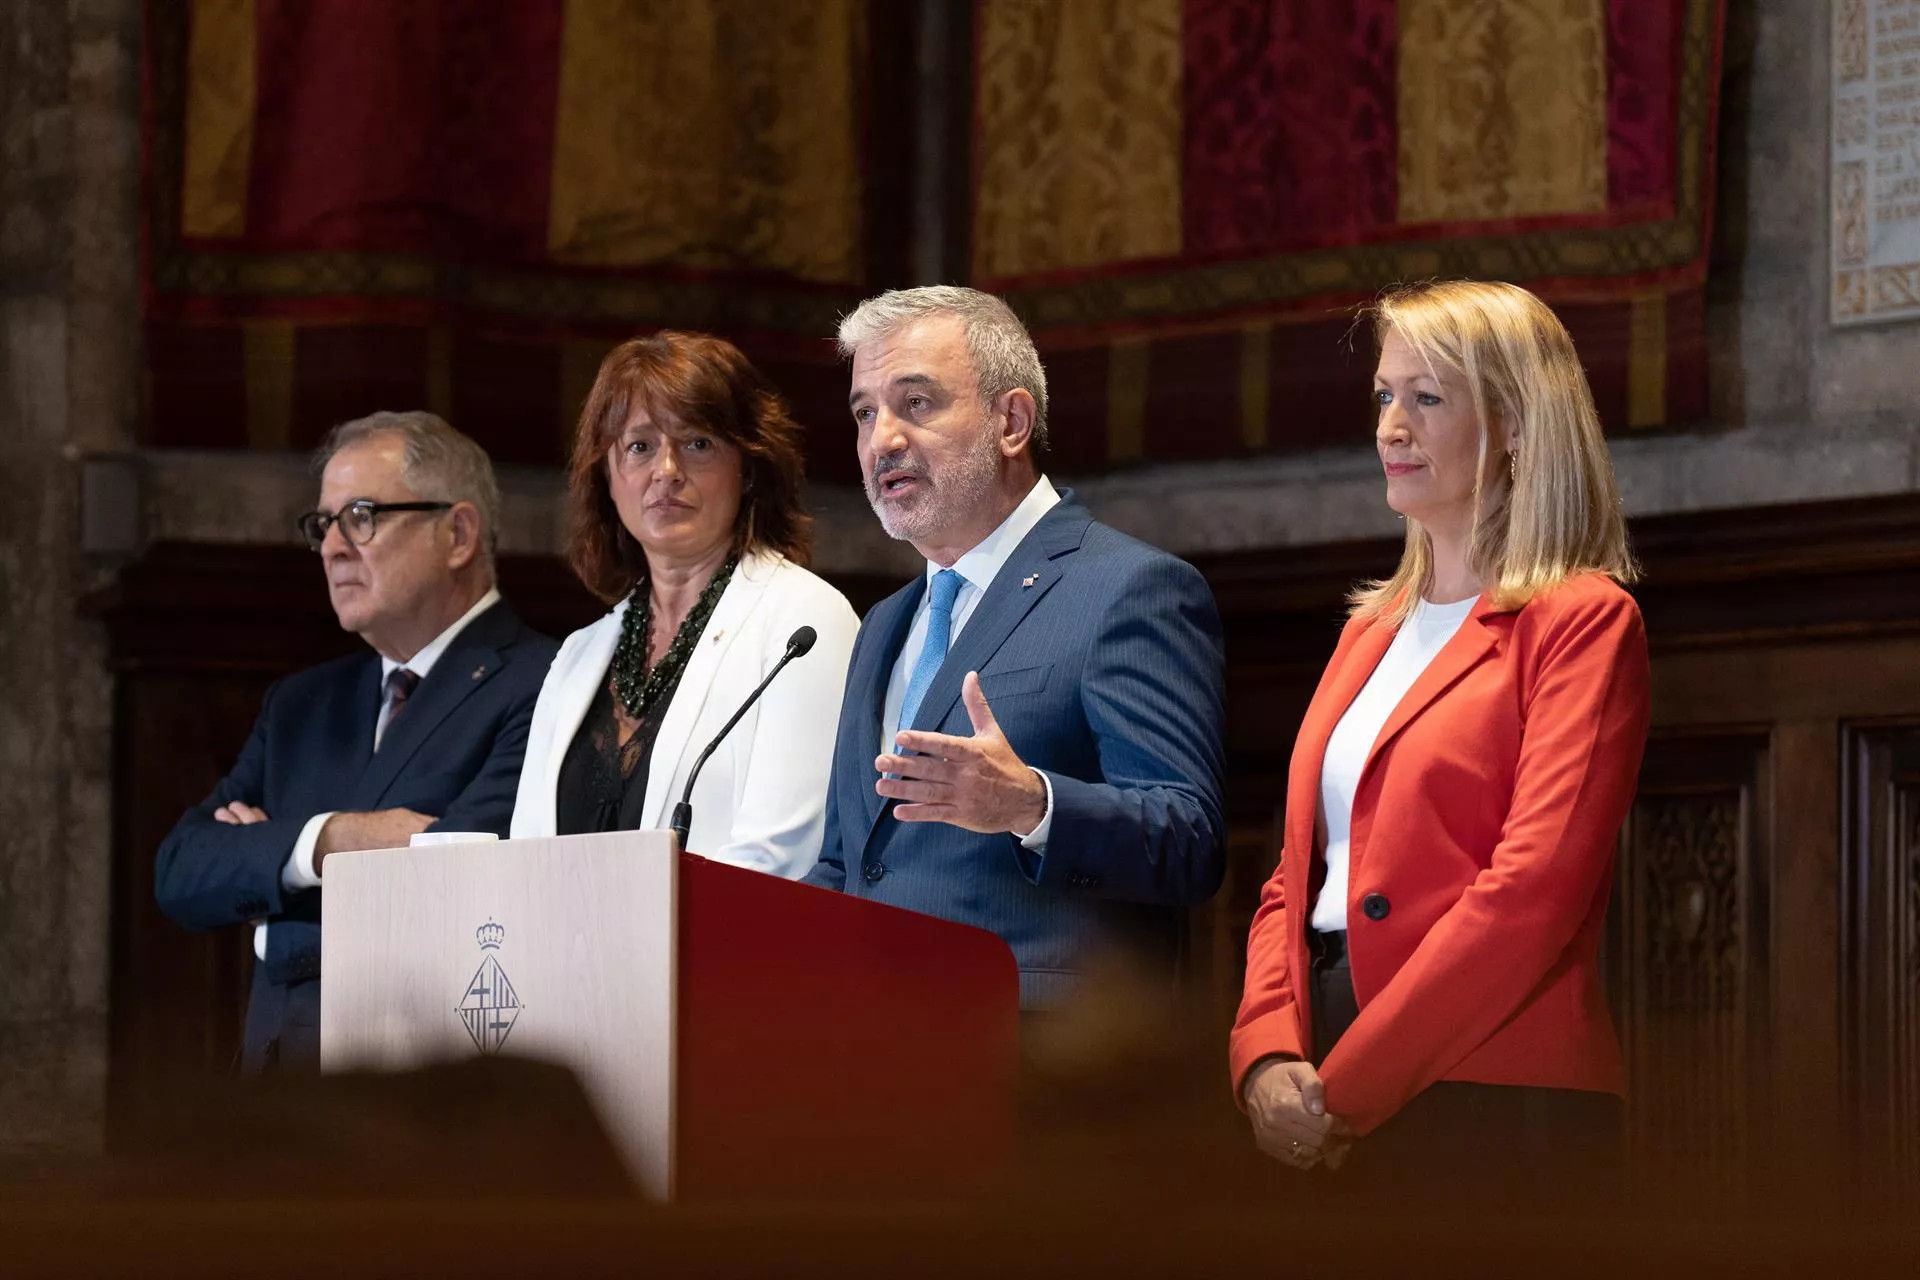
490	935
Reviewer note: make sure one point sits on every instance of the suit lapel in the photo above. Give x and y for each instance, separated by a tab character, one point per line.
1347	674
1026	576
866	702
350	720
697	685
1472	642
468	663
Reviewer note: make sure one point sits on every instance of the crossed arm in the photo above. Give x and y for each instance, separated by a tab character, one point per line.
227	860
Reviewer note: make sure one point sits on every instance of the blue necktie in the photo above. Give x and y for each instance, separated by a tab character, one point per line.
946	588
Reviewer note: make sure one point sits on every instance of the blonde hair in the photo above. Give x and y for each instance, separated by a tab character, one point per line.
1560	515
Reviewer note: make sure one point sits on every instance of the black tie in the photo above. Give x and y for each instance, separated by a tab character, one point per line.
400	686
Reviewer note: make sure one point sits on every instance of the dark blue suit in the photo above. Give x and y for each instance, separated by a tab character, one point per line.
455	752
1104	671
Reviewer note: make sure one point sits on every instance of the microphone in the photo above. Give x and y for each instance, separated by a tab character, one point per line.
797	646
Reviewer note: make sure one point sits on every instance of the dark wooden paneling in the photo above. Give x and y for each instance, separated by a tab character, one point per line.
1770	629
178	999
1882	957
1688	955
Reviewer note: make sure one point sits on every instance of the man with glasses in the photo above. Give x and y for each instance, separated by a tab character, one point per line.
425	732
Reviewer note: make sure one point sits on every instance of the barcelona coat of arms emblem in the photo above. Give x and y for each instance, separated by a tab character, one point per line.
490	1007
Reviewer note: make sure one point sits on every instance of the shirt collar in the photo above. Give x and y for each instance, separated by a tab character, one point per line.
979	565
422	662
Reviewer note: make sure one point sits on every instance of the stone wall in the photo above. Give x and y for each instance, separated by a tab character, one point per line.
68	340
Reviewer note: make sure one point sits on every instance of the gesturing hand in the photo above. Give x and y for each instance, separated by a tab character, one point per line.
237	813
977	783
1288	1106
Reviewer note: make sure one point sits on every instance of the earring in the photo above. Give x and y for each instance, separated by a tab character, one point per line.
1513	468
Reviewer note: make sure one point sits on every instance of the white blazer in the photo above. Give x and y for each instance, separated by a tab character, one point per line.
761	799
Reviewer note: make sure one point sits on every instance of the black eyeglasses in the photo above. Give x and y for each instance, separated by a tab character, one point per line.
357	520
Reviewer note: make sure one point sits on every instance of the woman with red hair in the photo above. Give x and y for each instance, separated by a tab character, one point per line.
685	513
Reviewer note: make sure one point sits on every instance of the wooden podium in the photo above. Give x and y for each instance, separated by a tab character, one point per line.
739	1034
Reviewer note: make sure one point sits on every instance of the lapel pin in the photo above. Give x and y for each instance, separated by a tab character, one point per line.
1030	579
479	671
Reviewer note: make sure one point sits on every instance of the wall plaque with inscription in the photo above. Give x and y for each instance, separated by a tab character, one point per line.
1875	235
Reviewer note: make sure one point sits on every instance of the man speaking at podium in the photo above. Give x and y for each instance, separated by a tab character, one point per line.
365	751
1030	739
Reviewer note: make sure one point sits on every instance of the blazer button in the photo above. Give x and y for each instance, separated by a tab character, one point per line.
1376	906
873	871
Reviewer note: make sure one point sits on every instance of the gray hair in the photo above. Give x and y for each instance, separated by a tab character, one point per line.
437	462
1003	355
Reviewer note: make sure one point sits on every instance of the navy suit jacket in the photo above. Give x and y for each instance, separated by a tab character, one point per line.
1102	660
455	752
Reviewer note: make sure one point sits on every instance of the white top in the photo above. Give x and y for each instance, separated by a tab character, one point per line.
1421	637
298	872
977	569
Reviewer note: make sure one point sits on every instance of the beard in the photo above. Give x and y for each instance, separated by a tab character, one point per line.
966	485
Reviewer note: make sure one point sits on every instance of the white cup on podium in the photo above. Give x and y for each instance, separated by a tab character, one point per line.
451	837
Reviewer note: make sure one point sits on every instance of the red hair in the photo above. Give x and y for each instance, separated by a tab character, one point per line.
697	381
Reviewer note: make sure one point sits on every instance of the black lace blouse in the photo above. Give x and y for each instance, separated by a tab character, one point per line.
603	777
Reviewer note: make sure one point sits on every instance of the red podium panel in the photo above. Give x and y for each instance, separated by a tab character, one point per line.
824	1038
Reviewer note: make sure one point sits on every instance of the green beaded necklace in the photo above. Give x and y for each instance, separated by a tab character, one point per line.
633	684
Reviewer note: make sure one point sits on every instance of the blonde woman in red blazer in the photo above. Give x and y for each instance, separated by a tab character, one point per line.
1459	782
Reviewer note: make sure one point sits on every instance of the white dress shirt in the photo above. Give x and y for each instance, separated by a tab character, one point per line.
299	873
1419	639
977	569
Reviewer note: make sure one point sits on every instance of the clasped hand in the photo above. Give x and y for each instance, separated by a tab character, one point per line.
978	783
1288	1106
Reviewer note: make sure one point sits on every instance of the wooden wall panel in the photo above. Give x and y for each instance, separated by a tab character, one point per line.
179	1001
1763	972
1882	962
1688	955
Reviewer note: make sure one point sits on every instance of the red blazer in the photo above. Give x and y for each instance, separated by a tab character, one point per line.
1484	826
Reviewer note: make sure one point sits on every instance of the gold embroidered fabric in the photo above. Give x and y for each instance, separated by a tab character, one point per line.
1503	108
710	133
219	125
1078	123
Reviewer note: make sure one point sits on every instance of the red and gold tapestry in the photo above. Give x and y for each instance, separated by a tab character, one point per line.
1186	198
354	204
459	204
